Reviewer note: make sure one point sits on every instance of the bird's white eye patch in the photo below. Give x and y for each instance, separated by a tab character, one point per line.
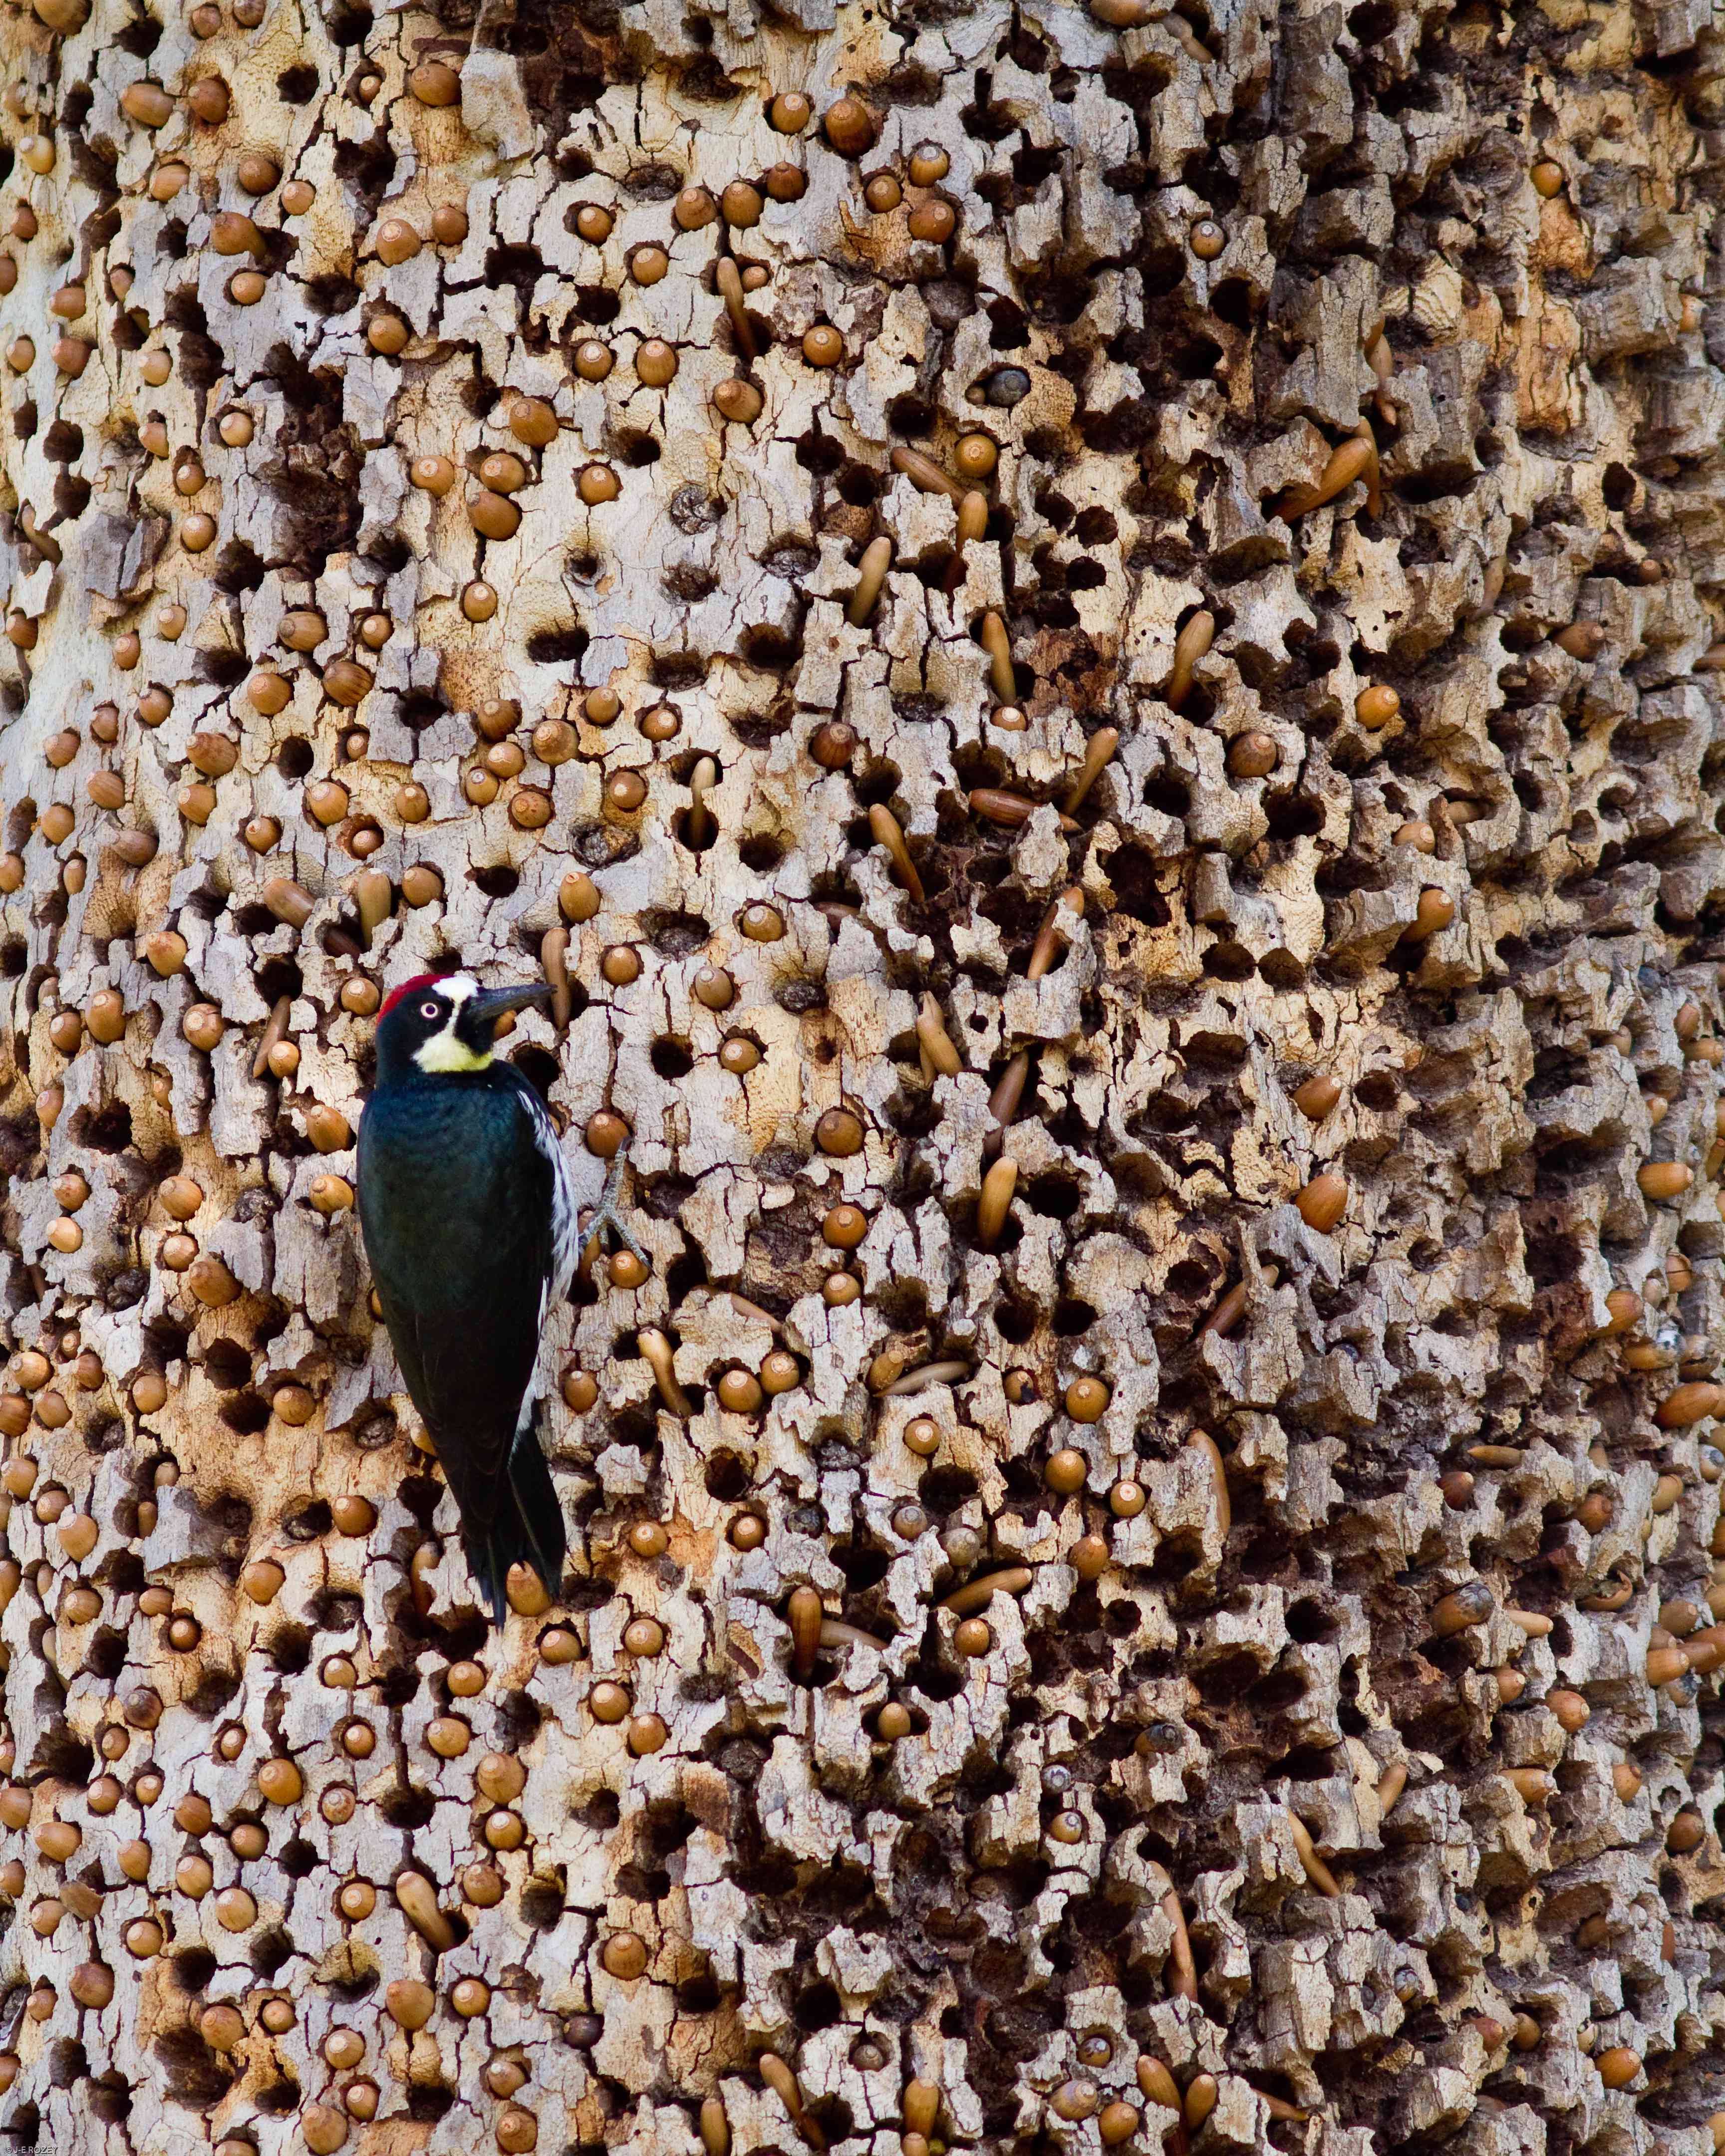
429	1010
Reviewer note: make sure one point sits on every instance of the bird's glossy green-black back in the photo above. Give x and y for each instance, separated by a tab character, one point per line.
453	1185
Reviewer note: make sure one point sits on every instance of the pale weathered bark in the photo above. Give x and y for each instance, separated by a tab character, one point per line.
1318	1764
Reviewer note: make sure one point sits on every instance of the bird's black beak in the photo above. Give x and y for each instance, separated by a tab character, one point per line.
480	1013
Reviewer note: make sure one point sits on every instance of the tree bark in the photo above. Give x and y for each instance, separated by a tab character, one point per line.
1086	644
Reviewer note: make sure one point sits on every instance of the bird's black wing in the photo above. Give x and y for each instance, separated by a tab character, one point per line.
467	1370
456	1208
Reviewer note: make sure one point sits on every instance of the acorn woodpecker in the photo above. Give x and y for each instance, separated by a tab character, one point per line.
468	1221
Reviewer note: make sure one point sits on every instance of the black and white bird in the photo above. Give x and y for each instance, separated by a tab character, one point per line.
470	1227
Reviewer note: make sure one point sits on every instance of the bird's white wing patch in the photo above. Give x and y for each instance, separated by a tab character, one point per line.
563	1244
562	1201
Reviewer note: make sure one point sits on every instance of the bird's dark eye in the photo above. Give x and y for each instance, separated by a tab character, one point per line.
428	1010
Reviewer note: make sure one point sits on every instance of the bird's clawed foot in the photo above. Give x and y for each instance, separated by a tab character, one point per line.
606	1215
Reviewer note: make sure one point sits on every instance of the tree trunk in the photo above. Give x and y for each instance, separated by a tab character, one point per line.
1085	644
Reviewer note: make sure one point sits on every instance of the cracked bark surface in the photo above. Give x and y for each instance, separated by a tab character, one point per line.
683	496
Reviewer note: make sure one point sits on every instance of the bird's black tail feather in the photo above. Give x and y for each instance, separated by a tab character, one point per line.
529	1531
542	1517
